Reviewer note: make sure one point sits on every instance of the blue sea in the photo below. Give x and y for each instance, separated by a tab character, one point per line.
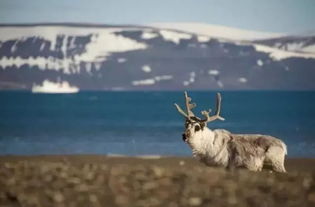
142	123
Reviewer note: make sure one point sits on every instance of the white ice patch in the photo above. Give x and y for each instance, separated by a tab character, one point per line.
152	81
220	84
174	36
213	72
186	83
97	66
260	62
309	49
121	60
203	38
293	46
192	77
42	46
242	80
148	35
277	54
163	77
143	82
146	69
14	47
54	87
88	67
216	31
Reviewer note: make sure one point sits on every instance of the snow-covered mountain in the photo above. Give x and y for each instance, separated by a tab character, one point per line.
304	44
217	31
109	57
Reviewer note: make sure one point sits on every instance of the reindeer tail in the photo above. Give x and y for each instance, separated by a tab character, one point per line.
284	146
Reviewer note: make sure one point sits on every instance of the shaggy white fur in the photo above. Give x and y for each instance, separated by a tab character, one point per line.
222	148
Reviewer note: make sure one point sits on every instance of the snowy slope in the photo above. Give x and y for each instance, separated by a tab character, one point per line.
102	42
217	31
304	44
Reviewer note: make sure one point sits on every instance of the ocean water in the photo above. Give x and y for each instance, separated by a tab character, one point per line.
141	123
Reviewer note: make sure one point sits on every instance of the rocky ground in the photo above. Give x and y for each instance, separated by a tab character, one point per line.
103	181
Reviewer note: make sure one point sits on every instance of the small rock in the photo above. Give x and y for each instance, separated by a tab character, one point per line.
311	197
11	181
89	176
7	165
58	197
93	198
48	178
74	180
181	163
158	171
195	201
140	176
63	175
122	200
149	186
307	181
82	188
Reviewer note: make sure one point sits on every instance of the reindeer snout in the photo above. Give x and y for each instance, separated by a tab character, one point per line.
184	137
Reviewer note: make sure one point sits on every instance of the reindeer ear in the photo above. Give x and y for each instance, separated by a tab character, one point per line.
186	123
202	124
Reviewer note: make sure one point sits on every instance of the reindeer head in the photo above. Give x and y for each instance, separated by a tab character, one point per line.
195	126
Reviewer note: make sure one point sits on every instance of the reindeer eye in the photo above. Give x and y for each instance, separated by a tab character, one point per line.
197	128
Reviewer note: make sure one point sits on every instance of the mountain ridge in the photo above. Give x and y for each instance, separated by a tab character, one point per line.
144	58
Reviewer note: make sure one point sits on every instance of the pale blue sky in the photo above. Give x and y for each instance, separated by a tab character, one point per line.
287	16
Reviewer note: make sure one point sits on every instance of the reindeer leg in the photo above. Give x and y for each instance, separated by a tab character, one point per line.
276	155
255	164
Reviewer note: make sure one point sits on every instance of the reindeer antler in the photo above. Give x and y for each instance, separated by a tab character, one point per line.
217	113
189	106
191	116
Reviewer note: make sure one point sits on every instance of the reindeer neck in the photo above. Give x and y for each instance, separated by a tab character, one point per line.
209	132
212	147
204	141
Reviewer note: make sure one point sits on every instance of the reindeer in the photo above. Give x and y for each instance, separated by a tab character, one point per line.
222	148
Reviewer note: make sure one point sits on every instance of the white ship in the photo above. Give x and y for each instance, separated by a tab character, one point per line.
54	87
